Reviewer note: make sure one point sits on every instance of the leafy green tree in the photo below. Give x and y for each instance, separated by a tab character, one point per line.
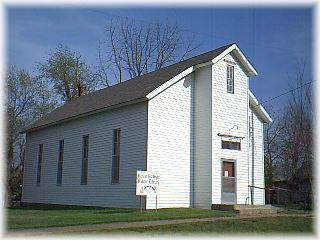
28	98
68	73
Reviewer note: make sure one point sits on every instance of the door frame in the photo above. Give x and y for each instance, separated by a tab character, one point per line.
235	178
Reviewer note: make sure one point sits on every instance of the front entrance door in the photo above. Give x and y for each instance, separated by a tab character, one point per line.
228	182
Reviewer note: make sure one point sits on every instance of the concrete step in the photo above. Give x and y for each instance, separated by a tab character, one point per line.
241	206
243	209
258	211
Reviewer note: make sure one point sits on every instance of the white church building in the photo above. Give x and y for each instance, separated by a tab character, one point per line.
195	123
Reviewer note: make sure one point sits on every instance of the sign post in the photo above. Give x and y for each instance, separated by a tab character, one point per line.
140	204
147	183
156	202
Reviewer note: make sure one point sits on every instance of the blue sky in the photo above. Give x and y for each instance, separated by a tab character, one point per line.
273	39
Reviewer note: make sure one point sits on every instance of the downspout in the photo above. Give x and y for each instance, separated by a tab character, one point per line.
192	145
252	159
248	142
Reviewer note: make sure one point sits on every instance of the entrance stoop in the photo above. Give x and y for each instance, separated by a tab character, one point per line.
243	209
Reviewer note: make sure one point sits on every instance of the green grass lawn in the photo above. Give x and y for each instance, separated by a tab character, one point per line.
285	224
65	216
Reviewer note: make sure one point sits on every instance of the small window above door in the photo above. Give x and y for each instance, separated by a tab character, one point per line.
232	145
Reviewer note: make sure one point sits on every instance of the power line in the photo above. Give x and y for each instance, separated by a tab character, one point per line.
211	35
287	92
287	51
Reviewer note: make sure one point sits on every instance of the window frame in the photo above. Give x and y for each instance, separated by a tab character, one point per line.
115	157
230	78
85	159
60	162
230	144
40	162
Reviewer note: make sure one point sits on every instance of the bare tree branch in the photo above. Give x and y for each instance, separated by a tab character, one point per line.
136	49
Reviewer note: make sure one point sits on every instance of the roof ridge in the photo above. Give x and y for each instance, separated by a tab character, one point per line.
156	70
199	55
137	77
134	88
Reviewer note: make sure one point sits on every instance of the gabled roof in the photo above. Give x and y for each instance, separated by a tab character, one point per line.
257	107
133	90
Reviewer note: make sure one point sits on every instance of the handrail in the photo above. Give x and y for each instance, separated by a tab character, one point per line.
277	192
270	188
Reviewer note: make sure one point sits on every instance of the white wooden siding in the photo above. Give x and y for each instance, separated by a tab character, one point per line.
259	194
202	139
169	144
229	116
99	191
180	125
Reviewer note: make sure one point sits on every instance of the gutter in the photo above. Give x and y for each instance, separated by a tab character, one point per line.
257	107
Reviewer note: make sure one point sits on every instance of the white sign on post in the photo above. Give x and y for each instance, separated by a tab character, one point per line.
147	183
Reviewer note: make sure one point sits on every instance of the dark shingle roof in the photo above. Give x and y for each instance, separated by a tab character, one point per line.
130	90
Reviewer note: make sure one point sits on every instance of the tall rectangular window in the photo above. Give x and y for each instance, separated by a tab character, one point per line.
230	79
85	154
40	160
115	156
60	162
